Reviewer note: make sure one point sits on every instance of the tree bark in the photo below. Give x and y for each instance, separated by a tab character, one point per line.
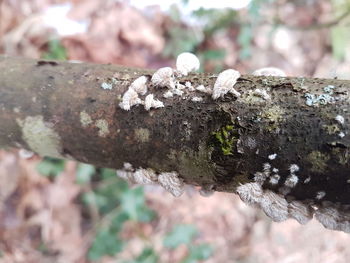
60	109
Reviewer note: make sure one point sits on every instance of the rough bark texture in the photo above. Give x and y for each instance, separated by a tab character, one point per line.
60	109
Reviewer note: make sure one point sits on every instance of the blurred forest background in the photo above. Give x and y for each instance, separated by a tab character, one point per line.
63	211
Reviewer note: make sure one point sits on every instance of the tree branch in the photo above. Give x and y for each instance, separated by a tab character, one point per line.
288	135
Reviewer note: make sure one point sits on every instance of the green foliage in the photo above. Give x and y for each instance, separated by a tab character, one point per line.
105	243
84	173
181	234
198	253
340	34
55	50
225	138
148	255
50	167
185	234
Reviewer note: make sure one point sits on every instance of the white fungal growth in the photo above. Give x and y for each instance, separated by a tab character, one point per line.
300	212
294	168
25	154
197	99
189	86
250	193
172	183
274	206
225	82
320	195
272	156
269	71
274	179
129	99
145	176
333	218
168	94
275	170
341	134
262	93
150	102
307	180
340	119
164	77
204	89
291	181
260	177
140	85
187	62
177	92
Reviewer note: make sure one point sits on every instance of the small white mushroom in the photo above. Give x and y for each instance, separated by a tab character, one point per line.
150	102
294	168
250	193
340	119
225	82
291	181
320	195
262	93
274	206
172	183
334	219
164	77
204	89
274	179
168	94
140	85
130	98
144	176
187	62
272	156
269	71
301	212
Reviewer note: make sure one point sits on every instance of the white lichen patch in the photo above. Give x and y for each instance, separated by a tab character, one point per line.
269	71
172	182
106	85
272	156
340	119
102	125
142	135
341	134
307	180
320	195
197	99
140	85
301	212
164	77
150	102
129	99
187	62
291	181
85	119
261	93
40	136
204	89
225	82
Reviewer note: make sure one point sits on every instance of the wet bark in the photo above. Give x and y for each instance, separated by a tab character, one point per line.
60	109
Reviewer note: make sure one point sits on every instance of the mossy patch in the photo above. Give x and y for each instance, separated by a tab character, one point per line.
318	161
225	138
